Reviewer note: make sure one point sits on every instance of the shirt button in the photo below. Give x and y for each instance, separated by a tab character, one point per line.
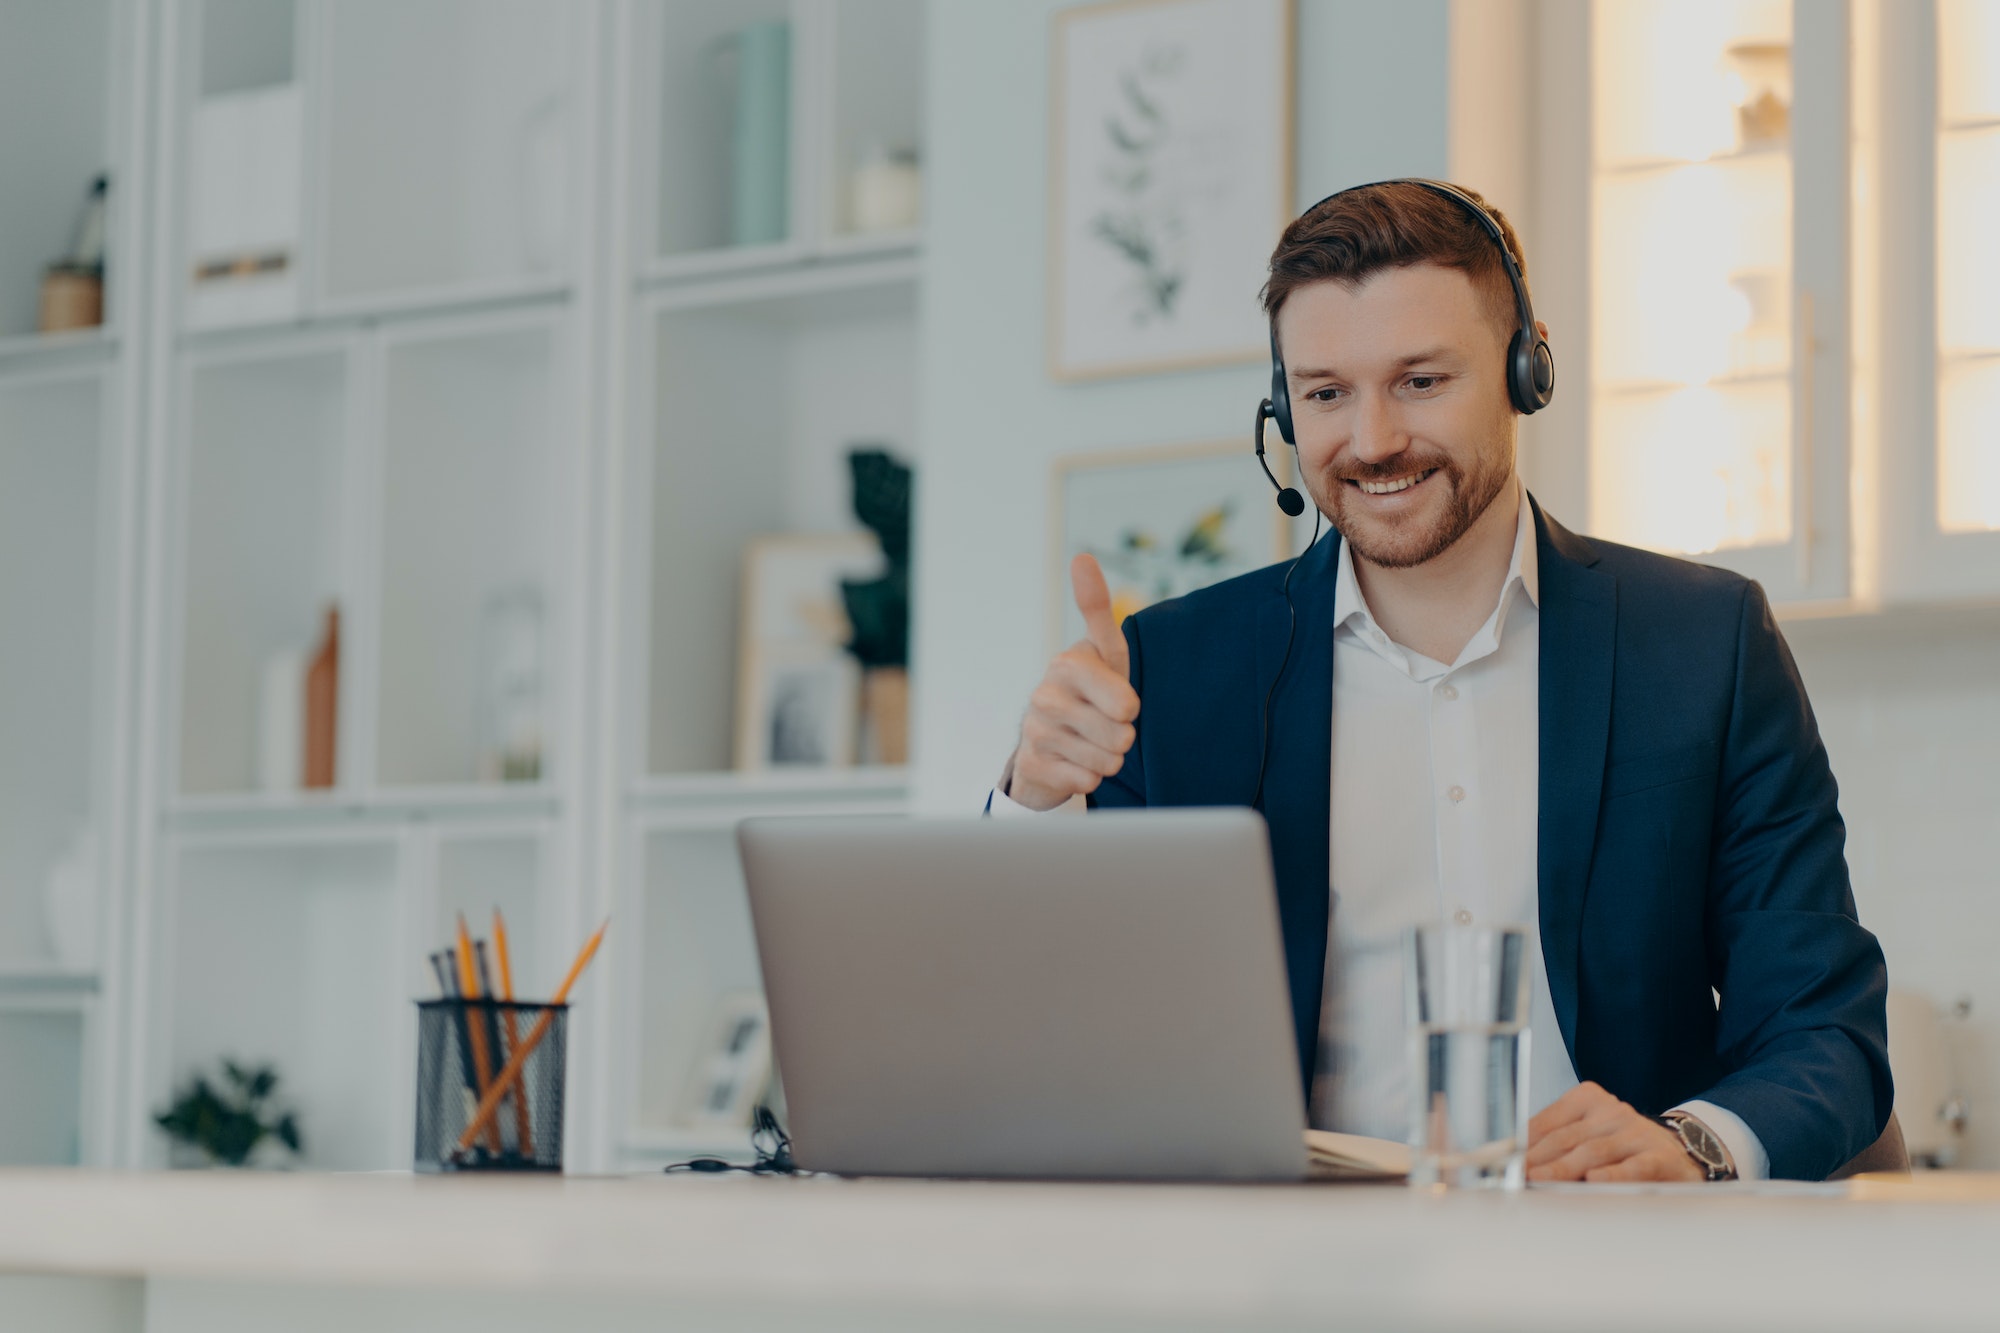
1447	693
1457	794
1462	917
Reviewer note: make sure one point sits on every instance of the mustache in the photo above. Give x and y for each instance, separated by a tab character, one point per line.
1402	465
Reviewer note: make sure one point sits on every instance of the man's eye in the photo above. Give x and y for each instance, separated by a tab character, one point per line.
1322	395
1425	383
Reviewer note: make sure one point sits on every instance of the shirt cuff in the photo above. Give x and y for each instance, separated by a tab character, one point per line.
1001	806
1745	1148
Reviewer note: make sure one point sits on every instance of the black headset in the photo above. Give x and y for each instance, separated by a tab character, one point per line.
1531	369
1531	383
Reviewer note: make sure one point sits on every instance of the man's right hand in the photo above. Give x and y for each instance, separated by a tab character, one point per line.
1079	722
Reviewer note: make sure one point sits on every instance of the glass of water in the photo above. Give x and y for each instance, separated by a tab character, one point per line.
1465	994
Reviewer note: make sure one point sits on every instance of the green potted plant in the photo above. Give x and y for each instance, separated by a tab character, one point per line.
226	1121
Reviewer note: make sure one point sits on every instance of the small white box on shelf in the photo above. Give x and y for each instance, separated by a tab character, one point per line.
244	207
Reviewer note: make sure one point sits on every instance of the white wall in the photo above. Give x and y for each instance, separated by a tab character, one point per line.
1910	707
1371	85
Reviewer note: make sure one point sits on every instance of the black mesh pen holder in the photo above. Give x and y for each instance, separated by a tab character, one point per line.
463	1046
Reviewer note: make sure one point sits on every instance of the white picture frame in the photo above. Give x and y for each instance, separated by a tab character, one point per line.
798	689
1170	180
732	1068
1162	522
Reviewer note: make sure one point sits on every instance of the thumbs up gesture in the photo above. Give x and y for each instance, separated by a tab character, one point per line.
1079	722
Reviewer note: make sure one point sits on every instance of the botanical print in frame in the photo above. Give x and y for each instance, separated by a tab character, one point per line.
1170	179
1161	522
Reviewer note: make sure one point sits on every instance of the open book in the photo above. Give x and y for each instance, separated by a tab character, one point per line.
1331	1156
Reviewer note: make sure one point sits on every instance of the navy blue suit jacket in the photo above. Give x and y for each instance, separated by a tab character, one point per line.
1689	841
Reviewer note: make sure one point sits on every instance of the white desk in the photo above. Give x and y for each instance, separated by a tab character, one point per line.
211	1253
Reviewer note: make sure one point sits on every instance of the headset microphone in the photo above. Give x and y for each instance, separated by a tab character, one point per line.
1289	500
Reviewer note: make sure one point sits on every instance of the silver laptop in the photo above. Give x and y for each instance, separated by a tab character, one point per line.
1098	997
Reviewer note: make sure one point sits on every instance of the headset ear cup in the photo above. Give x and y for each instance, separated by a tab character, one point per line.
1531	374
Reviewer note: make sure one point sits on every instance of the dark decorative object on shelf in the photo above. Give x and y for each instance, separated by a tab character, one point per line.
879	609
228	1125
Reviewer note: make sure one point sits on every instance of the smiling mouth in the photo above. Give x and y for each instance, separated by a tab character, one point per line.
1390	487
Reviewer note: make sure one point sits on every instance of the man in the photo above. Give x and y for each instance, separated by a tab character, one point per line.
1476	714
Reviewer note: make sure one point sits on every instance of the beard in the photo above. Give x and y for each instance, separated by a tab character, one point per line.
1411	540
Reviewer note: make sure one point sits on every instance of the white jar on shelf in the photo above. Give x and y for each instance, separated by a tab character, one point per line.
886	192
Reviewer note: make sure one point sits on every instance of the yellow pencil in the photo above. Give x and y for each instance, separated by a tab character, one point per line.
475	1027
524	1134
483	1117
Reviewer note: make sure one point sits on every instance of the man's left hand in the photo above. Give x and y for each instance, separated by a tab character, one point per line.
1587	1134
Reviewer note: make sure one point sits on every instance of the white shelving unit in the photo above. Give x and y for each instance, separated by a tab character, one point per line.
395	426
418	309
752	370
73	91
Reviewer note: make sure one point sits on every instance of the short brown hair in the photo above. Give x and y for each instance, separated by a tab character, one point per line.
1394	224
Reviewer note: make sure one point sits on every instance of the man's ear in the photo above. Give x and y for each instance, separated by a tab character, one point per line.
1542	329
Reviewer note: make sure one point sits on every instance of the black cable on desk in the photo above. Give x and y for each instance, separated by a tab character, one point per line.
767	1139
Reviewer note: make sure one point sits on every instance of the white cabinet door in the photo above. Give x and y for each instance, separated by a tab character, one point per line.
1711	186
1940	425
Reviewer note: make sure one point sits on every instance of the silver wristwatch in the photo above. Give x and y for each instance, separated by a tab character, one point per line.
1701	1144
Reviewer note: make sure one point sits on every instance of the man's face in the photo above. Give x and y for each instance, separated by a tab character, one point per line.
1400	407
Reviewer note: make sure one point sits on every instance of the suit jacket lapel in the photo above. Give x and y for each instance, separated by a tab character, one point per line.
1579	622
1297	783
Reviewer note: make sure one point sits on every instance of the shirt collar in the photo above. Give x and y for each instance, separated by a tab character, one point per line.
1523	572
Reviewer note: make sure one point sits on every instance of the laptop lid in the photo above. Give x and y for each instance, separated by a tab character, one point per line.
1099	996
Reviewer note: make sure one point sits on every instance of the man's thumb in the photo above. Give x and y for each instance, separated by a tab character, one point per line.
1093	598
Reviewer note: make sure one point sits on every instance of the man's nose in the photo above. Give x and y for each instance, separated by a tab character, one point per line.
1377	433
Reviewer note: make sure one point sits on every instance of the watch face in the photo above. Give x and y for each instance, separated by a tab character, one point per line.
1707	1149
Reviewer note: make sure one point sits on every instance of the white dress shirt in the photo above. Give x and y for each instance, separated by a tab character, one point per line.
1435	807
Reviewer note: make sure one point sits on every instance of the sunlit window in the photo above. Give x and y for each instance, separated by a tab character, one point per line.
1691	290
1968	265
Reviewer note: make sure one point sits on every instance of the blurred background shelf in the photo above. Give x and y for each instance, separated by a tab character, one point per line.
56	982
283	814
32	352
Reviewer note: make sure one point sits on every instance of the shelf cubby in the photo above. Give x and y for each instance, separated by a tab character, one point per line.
876	95
692	119
293	954
826	372
245	146
696	947
854	83
55	83
472	498
450	146
267	462
51	498
41	1095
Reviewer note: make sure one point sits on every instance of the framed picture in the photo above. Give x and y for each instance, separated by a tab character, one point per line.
733	1065
798	690
1170	180
1162	522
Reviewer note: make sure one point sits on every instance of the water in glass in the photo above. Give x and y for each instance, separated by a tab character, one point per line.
1466	999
